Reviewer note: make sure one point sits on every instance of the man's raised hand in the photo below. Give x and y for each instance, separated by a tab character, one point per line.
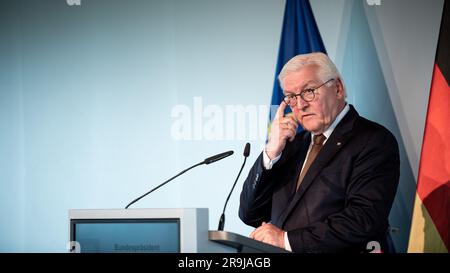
283	128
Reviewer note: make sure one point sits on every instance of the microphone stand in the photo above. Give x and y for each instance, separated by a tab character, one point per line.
222	217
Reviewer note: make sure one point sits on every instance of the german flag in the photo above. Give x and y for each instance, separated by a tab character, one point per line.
430	229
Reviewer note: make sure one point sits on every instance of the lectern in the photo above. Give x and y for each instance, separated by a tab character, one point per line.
182	230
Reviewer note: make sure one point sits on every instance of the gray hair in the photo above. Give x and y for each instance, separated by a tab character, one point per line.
327	69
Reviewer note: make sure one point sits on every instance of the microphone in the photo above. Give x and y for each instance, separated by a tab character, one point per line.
222	217
215	158
207	161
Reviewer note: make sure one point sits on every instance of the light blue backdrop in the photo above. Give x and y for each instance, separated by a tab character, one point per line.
86	100
86	95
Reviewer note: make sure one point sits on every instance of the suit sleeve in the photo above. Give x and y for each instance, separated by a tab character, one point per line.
369	197
256	195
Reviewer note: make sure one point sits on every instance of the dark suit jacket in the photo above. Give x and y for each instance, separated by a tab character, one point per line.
345	198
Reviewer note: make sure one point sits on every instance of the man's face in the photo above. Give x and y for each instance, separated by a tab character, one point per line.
317	115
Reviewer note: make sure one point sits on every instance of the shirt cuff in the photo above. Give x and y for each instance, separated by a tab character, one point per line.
268	164
287	246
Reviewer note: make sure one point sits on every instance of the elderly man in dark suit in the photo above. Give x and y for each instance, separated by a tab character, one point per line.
329	188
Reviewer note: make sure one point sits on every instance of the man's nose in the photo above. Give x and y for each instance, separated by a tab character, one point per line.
301	104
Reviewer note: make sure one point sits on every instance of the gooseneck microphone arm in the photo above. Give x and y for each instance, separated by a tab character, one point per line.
222	217
162	184
206	161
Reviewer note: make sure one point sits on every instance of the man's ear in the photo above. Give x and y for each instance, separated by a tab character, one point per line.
340	93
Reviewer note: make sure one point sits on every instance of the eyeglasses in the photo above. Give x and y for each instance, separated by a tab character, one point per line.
307	95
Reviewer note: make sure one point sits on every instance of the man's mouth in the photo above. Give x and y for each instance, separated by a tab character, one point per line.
306	115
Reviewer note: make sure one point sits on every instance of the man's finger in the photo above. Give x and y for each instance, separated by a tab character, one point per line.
288	122
255	231
260	236
292	137
290	126
289	134
280	110
289	119
292	117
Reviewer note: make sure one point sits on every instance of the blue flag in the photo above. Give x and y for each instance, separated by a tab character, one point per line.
299	35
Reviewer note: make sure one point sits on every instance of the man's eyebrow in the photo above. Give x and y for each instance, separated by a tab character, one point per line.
288	92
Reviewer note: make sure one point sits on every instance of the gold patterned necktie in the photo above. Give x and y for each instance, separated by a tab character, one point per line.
317	145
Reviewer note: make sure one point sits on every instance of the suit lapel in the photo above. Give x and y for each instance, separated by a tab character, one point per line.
340	136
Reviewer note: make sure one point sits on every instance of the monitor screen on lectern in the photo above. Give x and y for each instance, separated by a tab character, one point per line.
126	235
